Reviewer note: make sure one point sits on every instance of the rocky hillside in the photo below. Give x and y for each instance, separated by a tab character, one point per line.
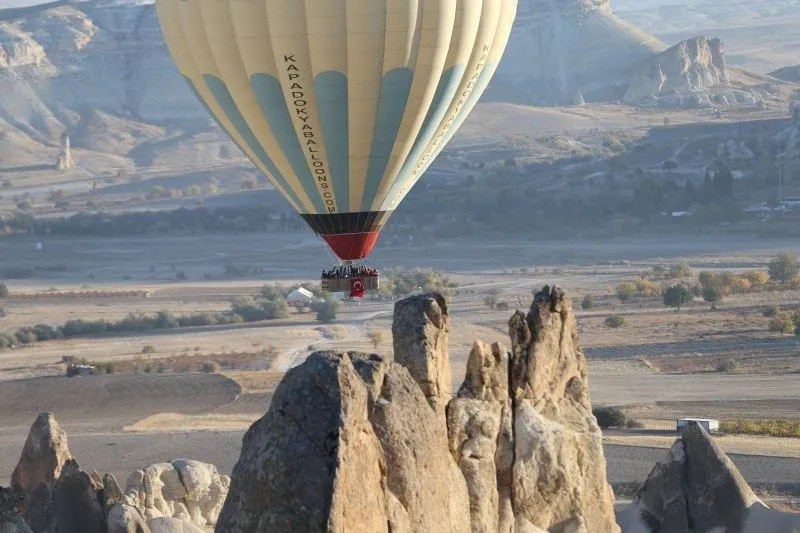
560	49
100	71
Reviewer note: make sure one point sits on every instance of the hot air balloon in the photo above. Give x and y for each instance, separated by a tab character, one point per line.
342	104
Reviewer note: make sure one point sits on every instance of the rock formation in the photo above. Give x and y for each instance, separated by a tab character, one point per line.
698	489
419	332
560	47
692	65
188	490
64	160
350	443
355	442
43	457
51	494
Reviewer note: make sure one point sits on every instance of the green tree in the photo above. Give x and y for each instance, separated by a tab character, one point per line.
712	295
587	303
676	296
326	311
783	268
376	338
625	291
4	293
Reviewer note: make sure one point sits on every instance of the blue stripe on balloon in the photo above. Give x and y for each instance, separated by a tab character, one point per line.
228	105
395	88
273	105
331	91
442	99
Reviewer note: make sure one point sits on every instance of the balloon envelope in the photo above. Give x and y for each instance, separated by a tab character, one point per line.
342	104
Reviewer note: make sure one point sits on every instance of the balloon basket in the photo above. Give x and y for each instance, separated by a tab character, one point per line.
349	279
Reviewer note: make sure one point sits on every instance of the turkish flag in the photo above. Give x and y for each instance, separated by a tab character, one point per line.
356	287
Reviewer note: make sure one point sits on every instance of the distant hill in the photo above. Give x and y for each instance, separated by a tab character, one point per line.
787	73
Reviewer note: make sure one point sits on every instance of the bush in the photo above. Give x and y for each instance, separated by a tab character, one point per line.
609	417
712	295
4	291
783	268
633	424
587	303
728	365
677	296
276	308
783	322
326	311
771	311
757	278
209	367
681	270
615	321
149	348
625	291
646	288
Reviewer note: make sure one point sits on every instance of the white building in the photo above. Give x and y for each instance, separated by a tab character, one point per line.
711	425
300	296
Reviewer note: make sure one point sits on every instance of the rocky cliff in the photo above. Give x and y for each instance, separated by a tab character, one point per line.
359	442
562	50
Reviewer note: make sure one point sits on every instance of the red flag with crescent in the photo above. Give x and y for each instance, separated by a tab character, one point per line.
356	287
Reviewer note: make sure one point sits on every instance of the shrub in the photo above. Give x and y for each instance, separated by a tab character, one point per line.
376	338
646	288
609	417
728	365
625	291
587	303
633	424
713	295
783	322
771	311
326	311
209	367
677	296
681	270
275	308
4	291
149	348
757	278
783	268
615	321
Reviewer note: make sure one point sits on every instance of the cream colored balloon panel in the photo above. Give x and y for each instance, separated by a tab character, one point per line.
343	102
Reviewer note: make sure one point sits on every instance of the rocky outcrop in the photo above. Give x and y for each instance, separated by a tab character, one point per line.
559	473
44	455
694	65
356	442
479	425
64	160
11	512
559	48
51	494
698	489
350	443
188	490
419	331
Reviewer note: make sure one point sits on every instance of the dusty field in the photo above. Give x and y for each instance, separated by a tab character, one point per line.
658	367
